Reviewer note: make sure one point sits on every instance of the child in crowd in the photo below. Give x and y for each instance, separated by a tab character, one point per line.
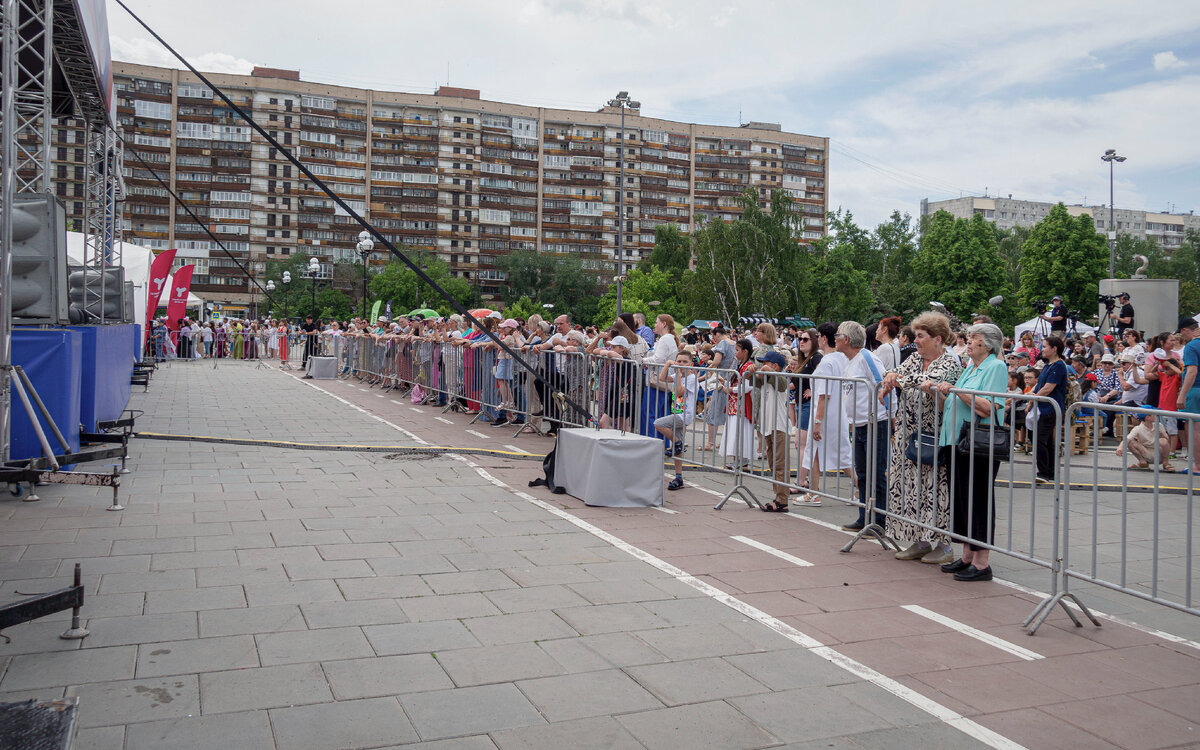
682	381
1141	441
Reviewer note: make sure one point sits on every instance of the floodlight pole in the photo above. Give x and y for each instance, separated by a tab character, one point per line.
1110	156
623	101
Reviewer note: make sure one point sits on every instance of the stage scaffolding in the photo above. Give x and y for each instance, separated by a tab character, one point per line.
41	38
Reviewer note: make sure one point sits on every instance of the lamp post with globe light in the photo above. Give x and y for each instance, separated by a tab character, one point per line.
364	247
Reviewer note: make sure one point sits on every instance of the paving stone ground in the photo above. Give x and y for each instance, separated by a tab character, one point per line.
262	597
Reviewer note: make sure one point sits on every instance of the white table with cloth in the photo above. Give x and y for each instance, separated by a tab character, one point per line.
610	468
322	368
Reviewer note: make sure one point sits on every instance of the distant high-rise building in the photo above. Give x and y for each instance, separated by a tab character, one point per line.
1165	228
448	172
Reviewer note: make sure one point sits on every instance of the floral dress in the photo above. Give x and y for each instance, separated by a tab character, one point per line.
916	491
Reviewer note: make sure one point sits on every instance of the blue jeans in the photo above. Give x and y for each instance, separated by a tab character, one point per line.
861	438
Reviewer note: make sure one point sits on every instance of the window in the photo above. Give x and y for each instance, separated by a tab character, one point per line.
199	130
152	110
197	91
149	140
317	102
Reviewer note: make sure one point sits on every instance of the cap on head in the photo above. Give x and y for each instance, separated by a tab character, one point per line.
1108	338
1056	297
1123	295
1128	357
1186	322
774	358
1089	334
508	323
619	341
1107	359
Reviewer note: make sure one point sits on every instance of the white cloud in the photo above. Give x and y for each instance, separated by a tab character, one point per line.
149	52
1167	60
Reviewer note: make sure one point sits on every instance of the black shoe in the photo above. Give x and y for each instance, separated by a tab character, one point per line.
676	484
974	574
500	423
856	526
954	567
307	377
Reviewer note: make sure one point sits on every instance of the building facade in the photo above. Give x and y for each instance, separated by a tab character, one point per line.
448	173
1166	229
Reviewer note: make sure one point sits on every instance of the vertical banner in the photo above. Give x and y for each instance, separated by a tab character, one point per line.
388	311
160	271
375	311
177	301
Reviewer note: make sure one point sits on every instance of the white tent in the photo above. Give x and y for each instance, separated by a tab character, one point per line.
136	261
1041	327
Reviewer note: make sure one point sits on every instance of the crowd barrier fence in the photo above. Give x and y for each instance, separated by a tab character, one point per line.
1024	516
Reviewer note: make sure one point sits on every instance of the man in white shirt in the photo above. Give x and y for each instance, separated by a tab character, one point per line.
865	413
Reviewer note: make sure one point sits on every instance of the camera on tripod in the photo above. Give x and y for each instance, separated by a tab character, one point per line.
1108	301
1039	306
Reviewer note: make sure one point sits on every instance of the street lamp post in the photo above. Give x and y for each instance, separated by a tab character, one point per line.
1110	156
314	268
287	280
270	288
623	101
364	247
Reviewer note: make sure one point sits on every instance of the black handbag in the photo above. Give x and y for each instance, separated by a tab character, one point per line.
922	448
985	441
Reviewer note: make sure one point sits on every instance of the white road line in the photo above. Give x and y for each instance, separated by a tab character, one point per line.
977	634
479	434
928	705
443	420
418	411
397	403
376	417
664	509
512	447
1170	637
379	395
772	551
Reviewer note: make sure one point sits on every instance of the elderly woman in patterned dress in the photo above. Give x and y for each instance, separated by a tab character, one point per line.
918	491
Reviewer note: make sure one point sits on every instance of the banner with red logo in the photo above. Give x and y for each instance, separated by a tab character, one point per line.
178	297
160	273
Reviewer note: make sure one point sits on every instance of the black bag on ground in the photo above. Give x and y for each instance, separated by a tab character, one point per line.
548	470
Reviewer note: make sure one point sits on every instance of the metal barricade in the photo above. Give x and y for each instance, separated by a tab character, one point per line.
1105	542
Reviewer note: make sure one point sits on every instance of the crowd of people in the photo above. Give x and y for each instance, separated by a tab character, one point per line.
882	405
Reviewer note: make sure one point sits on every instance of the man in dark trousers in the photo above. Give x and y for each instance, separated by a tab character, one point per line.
310	339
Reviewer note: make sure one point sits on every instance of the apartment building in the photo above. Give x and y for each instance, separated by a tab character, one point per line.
1165	228
447	173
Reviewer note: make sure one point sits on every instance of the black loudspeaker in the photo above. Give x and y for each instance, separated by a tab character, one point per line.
87	311
39	257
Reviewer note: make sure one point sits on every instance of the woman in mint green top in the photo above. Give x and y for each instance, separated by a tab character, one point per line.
974	503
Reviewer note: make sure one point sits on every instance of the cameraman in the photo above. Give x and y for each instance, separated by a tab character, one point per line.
1123	318
1057	315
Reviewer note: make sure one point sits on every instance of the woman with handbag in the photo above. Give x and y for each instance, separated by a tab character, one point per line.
919	479
972	424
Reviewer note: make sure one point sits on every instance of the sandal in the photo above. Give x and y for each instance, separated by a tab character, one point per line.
775	507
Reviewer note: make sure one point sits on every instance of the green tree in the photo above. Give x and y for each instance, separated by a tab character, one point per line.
640	289
672	251
893	288
740	264
335	304
399	283
1063	255
523	308
837	289
1009	243
958	264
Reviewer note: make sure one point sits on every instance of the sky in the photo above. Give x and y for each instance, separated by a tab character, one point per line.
919	99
